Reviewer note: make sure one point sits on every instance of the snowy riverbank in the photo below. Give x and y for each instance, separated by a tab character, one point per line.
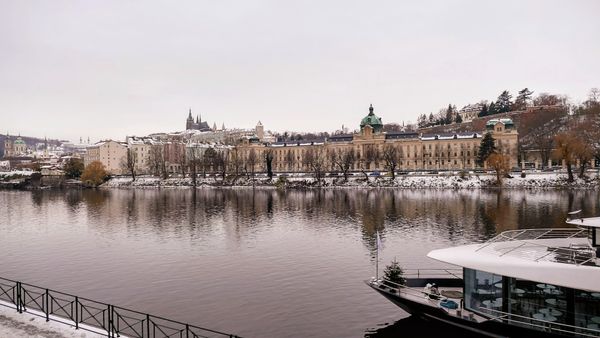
14	324
530	181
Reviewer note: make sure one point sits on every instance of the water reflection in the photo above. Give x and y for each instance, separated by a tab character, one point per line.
255	262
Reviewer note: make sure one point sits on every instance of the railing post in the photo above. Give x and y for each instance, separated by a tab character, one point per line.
47	306
187	331
76	313
147	325
109	324
19	296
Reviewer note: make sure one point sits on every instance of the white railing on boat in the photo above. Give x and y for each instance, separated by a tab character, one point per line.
431	273
401	288
528	239
539	323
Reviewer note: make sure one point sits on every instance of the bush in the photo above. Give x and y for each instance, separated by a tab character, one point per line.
94	174
523	175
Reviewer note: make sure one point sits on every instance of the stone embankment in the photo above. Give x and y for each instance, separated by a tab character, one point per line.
472	181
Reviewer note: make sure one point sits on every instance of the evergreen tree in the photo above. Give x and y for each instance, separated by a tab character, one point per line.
449	113
504	103
486	148
394	274
492	108
458	118
523	99
484	111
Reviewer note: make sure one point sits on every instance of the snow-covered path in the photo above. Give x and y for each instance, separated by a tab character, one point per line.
14	324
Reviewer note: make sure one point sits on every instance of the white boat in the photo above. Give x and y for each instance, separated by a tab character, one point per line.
521	283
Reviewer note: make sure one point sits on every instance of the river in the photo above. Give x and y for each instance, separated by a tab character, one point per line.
257	263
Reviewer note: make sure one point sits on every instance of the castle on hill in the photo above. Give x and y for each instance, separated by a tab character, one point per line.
198	125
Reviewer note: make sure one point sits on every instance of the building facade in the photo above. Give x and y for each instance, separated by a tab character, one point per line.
15	148
110	153
368	148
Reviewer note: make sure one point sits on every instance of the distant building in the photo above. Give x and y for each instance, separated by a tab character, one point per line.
110	153
452	151
198	125
470	112
14	148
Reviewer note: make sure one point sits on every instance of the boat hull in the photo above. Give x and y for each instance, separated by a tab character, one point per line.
484	329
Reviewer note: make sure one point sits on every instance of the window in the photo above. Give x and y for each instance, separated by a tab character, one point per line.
483	291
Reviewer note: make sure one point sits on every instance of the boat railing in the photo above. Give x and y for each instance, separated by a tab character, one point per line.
540	323
429	273
397	288
527	239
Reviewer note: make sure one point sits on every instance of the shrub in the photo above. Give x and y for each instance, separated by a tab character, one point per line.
394	274
94	174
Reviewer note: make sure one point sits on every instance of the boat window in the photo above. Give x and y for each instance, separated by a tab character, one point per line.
541	302
587	309
483	292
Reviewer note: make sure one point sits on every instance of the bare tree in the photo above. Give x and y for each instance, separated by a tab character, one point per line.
290	159
391	156
544	143
208	161
566	149
500	163
343	160
236	162
370	154
156	161
193	161
221	162
128	163
314	160
251	162
269	163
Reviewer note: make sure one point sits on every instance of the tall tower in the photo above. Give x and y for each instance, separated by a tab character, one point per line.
190	121
260	131
7	146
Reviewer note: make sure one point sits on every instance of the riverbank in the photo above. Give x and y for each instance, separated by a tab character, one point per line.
483	181
14	324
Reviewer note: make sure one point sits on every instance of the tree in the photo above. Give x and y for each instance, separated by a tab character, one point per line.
391	156
487	147
394	274
370	154
501	164
566	148
458	118
504	103
314	160
73	168
484	110
492	108
449	115
208	160
269	163
523	99
156	161
343	160
128	163
545	99
290	159
221	162
194	160
544	143
251	162
94	174
182	160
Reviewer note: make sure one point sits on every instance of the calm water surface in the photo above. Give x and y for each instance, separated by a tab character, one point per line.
257	263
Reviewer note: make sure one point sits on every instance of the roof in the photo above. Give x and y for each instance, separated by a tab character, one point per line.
590	222
340	138
400	135
371	119
525	259
504	121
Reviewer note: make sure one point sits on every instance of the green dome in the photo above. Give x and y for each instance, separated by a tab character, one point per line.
19	141
371	120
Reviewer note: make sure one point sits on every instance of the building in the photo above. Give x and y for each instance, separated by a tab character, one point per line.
111	154
15	148
414	151
198	125
470	112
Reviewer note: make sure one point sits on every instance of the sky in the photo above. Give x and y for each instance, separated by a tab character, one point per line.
107	69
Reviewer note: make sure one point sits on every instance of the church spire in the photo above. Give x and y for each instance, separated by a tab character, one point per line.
371	109
190	114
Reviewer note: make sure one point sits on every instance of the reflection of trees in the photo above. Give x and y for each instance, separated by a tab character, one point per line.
453	216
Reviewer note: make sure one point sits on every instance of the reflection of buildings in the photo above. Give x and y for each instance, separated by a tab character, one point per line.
413	151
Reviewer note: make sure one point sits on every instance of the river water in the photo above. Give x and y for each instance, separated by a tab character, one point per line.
257	263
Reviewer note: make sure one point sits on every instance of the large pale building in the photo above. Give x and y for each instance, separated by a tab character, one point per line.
110	153
15	148
454	151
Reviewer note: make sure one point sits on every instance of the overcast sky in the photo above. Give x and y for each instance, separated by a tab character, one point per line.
106	69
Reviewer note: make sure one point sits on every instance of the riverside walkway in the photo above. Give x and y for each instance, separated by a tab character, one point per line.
29	310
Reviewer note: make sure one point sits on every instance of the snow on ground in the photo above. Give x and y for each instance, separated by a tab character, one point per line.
15	173
471	181
14	324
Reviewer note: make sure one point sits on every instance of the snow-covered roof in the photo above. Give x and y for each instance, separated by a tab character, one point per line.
525	259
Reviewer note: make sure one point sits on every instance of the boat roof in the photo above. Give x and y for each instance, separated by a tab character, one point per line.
590	222
529	259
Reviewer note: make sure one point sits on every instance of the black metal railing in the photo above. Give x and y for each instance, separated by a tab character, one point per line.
94	316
